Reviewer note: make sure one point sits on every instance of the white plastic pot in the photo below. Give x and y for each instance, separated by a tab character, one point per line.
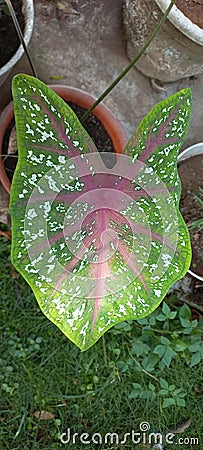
185	25
194	150
175	52
28	11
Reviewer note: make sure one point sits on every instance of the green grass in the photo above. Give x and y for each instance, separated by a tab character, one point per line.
87	392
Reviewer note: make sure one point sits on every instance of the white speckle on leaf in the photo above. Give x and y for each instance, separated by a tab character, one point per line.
157	292
167	259
52	183
167	229
37	107
148	170
84	329
47	208
61	159
75	143
122	309
29	129
31	213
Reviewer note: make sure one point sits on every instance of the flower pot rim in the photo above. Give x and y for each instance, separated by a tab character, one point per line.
28	10
193	150
182	22
112	125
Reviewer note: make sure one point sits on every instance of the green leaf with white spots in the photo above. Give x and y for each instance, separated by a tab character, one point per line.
98	246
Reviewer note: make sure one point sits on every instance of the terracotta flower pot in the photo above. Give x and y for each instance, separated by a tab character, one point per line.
28	11
113	127
187	154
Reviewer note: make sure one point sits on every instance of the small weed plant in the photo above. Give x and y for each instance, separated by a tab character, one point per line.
3	8
164	336
198	224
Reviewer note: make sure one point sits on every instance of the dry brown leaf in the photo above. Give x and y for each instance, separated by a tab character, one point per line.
157	85
182	426
65	8
12	145
43	415
6	234
199	390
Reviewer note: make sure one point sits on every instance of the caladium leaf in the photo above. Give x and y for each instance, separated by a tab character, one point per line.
97	245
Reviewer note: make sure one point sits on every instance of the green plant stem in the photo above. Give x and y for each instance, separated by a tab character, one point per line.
32	379
20	35
157	330
104	350
130	65
86	394
22	420
143	370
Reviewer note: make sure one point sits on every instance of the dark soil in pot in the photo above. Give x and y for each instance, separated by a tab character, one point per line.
190	172
92	125
98	134
9	41
9	150
193	9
